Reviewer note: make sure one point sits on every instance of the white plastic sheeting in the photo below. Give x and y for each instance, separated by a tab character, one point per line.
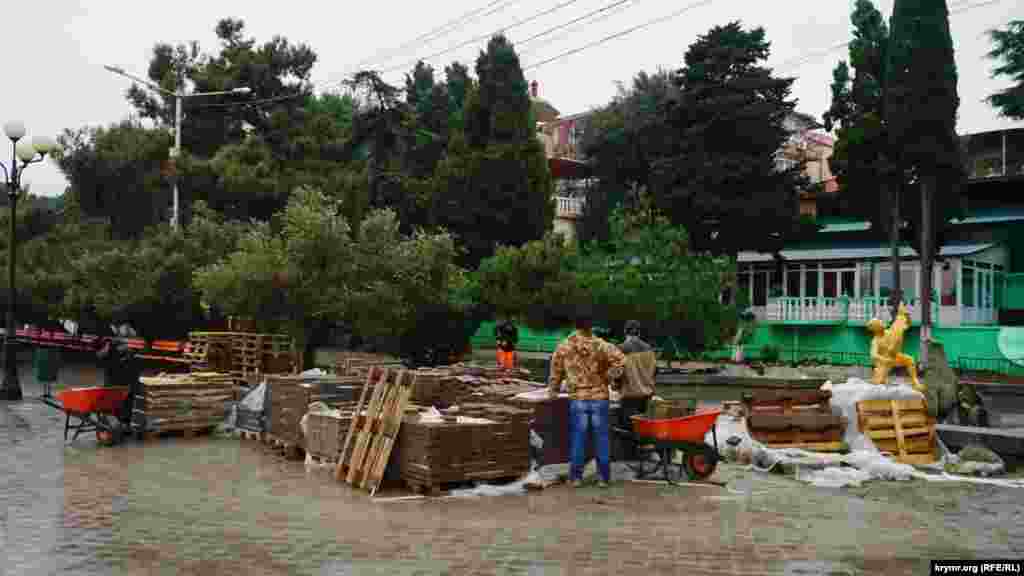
863	463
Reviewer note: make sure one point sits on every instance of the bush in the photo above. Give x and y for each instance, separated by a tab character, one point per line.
770	354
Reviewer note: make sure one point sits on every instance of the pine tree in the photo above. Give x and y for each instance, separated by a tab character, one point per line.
921	105
719	177
1009	49
861	160
494	187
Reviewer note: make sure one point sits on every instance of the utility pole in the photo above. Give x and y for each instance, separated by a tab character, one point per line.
179	96
927	190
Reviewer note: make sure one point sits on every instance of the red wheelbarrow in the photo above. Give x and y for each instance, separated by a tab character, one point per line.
667	437
98	409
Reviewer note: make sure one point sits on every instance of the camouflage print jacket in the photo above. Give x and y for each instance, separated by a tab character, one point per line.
587	363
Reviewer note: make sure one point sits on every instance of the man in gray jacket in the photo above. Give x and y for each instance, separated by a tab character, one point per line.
637	384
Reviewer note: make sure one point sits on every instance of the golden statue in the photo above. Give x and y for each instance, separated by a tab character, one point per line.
887	346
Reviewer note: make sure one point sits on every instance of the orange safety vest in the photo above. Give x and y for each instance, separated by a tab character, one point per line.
506	358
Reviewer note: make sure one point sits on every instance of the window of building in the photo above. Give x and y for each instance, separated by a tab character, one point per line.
867	280
793	281
811	281
886	281
948	285
968	285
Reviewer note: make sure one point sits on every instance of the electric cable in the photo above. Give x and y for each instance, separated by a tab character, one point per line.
482	36
494	6
647	24
798	61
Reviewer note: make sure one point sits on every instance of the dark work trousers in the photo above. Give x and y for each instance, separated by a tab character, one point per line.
629	407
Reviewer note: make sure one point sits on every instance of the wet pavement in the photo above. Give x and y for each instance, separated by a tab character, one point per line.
226	506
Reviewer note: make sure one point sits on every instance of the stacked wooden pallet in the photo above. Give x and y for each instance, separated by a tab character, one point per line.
901	428
495	412
372	436
795	419
351	363
249	353
289	397
437	453
187	402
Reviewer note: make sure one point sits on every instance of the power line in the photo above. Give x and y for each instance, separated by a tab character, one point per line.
247	103
647	24
493	7
547	42
573	21
586	16
483	36
805	58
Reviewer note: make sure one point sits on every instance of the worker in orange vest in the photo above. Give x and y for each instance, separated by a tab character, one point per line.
507	336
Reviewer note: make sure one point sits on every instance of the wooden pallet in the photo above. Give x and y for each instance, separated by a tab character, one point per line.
794	419
373	378
902	428
379	429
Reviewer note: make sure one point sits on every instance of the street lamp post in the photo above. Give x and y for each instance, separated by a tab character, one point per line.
28	154
179	95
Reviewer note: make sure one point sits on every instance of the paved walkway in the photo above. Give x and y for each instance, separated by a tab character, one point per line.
224	506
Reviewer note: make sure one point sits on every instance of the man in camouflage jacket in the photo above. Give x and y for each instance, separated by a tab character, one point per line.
587	364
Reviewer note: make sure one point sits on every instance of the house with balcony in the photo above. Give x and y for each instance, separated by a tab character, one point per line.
561	137
809	147
819	295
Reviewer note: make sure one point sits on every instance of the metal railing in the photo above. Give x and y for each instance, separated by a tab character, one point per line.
568	207
839	310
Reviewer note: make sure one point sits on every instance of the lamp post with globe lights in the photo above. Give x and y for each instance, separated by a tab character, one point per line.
26	153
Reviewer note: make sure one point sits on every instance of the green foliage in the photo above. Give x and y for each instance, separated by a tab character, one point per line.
494	187
862	159
147	282
534	283
1009	51
727	191
622	140
921	105
500	112
646	272
115	173
398	292
771	353
242	160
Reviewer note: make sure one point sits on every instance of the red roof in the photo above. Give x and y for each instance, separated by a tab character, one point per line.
567	168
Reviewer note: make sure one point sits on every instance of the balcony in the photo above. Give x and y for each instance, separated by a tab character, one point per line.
844	310
996	154
568	208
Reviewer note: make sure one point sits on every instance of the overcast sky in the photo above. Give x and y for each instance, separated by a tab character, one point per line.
59	81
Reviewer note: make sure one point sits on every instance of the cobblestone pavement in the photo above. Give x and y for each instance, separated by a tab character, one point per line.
224	506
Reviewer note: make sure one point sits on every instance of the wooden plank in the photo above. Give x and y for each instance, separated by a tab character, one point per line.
909	420
814	446
898	426
363	439
393	422
342	467
892	433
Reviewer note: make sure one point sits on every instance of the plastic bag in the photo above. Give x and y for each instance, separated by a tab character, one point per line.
253	401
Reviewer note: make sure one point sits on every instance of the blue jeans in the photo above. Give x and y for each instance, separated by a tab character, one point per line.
592	414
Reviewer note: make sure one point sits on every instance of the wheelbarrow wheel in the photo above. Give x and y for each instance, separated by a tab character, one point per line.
700	464
673	465
111	433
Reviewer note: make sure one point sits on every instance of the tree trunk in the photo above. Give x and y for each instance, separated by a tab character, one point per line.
894	245
927	190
